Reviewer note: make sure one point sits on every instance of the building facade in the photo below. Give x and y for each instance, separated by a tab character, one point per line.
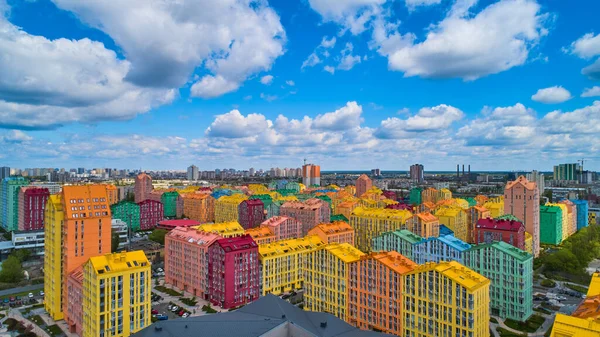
424	224
226	207
370	222
566	172
335	232
551	225
363	184
151	213
127	211
490	230
199	207
32	202
223	229
311	175
192	173
9	202
416	173
309	213
251	213
401	241
172	204
143	187
261	235
582	213
454	218
522	199
284	227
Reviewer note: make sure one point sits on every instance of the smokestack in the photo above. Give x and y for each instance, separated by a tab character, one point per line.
457	170
469	172
463	170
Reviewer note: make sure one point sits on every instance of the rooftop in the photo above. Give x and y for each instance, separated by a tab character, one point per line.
223	228
406	235
500	224
452	241
289	246
259	232
333	227
276	220
393	260
427	217
382	213
456	272
530	185
193	235
237	243
507	249
344	251
116	262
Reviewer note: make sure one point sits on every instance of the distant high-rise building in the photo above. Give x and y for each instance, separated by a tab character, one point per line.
363	184
416	173
566	171
80	170
522	199
4	172
252	172
311	175
538	177
192	173
376	172
143	187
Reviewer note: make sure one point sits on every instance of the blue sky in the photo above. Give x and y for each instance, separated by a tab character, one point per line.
349	84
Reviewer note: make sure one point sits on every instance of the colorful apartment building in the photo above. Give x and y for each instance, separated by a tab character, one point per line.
510	271
454	218
186	259
490	230
402	241
585	320
224	229
75	301
346	208
551	225
251	213
143	187
151	213
261	235
233	271
571	216
128	212
445	299
371	222
564	219
474	214
424	224
226	207
363	184
326	276
77	227
443	248
9	202
522	199
529	243
282	263
335	232
172	204
496	207
415	196
199	207
283	227
582	213
112	194
375	292
309	213
116	295
31	205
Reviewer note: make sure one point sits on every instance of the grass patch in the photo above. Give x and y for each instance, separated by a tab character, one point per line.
505	333
54	330
168	291
208	309
37	320
531	325
578	288
493	320
188	301
548	283
543	311
33	307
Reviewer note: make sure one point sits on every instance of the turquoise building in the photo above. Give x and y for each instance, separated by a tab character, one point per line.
403	241
128	212
415	196
9	203
551	225
582	213
170	201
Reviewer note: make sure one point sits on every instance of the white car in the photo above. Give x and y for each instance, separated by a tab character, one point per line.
41	293
30	295
185	315
175	308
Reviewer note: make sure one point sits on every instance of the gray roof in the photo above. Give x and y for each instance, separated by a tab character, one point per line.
253	320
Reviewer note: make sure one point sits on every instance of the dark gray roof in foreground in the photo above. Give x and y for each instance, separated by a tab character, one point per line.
253	320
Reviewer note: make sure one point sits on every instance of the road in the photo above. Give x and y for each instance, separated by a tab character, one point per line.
31	288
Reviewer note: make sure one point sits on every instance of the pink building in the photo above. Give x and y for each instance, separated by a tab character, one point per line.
151	213
155	195
251	213
75	301
309	213
32	202
284	227
172	224
363	184
335	232
522	199
233	271
143	187
390	195
490	230
186	259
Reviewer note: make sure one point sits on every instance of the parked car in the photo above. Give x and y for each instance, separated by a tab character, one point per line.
5	300
175	308
170	306
181	312
162	317
159	270
12	299
286	296
41	293
154	312
30	295
186	315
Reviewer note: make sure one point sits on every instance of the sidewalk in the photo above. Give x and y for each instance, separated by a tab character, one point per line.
16	314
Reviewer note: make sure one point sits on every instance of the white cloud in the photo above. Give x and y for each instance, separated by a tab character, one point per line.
343	118
413	4
586	46
266	80
17	136
234	125
348	61
247	97
328	43
166	41
580	121
319	53
329	69
352	15
290	83
464	45
592	71
591	92
552	95
268	98
427	119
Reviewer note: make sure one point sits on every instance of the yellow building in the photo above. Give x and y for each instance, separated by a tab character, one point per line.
116	294
456	219
495	206
565	219
345	208
528	243
585	320
370	222
53	217
226	207
224	229
326	273
261	235
446	299
281	263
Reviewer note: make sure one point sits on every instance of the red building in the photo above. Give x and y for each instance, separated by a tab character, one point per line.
401	207
251	213
233	271
489	230
32	202
151	213
171	224
390	195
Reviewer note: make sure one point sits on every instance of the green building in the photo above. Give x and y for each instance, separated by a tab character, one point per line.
472	202
286	192
415	196
128	212
510	271
338	217
9	202
170	201
551	225
294	186
508	217
566	172
403	241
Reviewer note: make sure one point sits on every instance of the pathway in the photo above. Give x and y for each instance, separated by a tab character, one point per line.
541	330
16	314
30	288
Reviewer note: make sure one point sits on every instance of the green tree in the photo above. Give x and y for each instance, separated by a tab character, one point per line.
114	241
12	271
130	197
158	235
22	254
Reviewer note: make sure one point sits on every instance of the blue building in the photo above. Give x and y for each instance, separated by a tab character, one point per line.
582	213
443	248
445	231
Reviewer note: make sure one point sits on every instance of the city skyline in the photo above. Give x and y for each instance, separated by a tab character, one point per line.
336	82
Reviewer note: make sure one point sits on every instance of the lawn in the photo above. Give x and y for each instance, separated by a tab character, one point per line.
578	288
54	330
505	333
493	320
168	291
548	283
37	320
188	301
531	325
208	309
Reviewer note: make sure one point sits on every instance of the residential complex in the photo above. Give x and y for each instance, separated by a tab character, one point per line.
31	204
454	218
151	213
490	230
370	222
199	207
522	199
261	235
551	228
284	227
251	213
416	173
9	202
143	187
311	175
172	204
309	213
226	207
363	184
424	224
127	211
334	232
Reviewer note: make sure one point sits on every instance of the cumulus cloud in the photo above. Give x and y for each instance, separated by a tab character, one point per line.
586	46
166	41
592	71
464	45
343	118
266	80
17	136
352	15
234	125
552	95
320	53
580	121
427	119
268	98
329	69
413	4
290	83
348	61
591	92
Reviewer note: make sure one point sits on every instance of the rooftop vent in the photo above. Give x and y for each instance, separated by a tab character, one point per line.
323	325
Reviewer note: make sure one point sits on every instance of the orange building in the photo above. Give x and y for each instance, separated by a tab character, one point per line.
375	299
363	184
112	194
199	207
335	232
283	227
345	208
261	235
474	214
424	225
